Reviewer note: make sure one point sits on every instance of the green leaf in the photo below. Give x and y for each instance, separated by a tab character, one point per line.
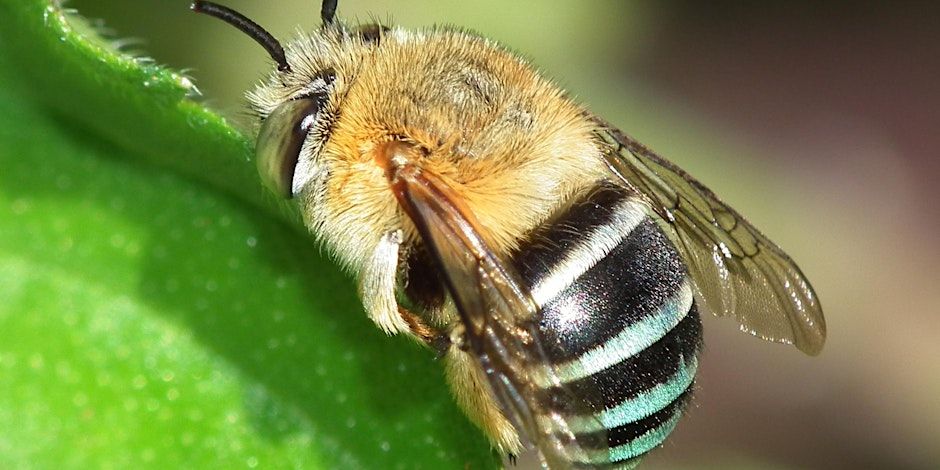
157	309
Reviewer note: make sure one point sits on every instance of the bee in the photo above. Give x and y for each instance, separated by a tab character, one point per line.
558	265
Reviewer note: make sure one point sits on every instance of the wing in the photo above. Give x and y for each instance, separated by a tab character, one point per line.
497	312
737	270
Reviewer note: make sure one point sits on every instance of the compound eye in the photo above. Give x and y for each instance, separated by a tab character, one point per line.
280	141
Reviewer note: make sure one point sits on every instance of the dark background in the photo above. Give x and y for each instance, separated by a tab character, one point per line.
817	122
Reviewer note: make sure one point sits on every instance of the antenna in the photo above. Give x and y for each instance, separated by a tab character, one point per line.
328	11
252	29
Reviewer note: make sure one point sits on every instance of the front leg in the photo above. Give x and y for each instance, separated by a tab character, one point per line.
377	282
377	291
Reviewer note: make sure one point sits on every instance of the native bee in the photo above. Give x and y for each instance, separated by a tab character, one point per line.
556	263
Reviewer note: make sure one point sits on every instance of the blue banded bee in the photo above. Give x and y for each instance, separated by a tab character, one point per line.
557	264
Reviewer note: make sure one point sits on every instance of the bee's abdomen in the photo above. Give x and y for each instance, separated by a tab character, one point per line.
618	322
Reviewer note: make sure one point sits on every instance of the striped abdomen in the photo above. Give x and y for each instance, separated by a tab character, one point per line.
618	323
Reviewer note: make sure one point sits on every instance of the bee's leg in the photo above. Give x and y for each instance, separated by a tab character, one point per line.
377	285
377	291
472	393
433	337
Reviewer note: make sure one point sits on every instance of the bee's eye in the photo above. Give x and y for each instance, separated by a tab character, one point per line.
281	138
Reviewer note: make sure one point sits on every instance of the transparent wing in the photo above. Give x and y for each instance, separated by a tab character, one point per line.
737	270
497	312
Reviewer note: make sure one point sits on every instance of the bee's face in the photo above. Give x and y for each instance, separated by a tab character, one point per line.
298	108
314	143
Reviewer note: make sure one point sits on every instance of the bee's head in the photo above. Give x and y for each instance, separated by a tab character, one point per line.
298	105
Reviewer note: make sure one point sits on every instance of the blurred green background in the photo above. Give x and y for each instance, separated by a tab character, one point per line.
818	123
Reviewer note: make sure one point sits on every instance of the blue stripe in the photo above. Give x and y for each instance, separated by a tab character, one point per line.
628	342
643	405
622	454
646	442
